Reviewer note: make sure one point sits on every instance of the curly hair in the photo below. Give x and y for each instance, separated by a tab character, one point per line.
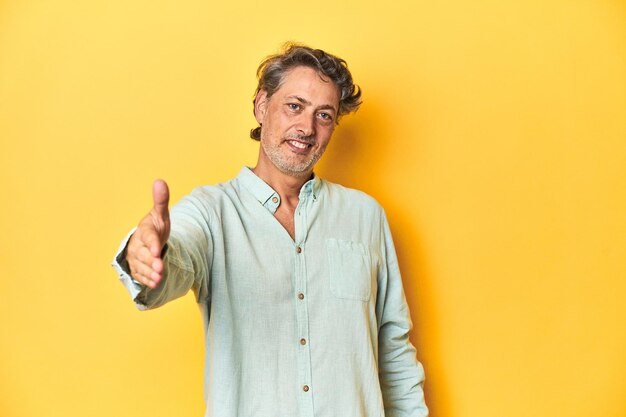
273	69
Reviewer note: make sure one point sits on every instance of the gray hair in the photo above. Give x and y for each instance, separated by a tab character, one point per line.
272	71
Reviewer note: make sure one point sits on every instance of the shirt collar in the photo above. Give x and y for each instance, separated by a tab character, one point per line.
266	195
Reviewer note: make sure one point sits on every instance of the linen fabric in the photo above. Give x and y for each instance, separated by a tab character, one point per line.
312	327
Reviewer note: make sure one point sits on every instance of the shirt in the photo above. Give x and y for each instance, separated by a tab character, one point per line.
316	326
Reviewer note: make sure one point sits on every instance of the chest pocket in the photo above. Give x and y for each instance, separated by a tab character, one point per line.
350	269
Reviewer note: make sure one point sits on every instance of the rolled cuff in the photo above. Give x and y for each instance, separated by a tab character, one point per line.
120	265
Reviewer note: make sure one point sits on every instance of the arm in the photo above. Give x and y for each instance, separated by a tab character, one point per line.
157	265
401	375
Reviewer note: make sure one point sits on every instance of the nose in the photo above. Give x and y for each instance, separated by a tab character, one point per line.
306	124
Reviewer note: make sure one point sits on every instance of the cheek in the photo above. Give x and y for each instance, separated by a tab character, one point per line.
326	132
280	120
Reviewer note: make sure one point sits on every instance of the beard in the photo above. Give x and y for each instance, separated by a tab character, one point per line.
291	164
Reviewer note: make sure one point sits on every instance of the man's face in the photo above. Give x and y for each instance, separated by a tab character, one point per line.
297	121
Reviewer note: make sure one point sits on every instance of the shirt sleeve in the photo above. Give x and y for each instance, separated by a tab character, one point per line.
187	258
401	374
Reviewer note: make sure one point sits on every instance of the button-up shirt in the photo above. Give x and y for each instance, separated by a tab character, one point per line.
312	326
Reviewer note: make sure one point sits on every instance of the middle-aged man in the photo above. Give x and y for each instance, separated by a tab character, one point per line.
296	277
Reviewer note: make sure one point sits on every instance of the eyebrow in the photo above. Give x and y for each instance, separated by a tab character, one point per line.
308	103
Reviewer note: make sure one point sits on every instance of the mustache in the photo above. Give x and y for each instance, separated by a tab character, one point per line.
308	139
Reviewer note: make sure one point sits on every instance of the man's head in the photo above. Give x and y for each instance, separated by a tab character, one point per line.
272	71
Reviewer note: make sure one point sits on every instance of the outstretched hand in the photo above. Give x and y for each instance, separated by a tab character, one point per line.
144	249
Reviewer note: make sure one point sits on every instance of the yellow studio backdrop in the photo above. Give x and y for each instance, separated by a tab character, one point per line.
494	133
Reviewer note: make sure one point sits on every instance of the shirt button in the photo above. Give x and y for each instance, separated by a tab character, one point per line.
303	341
274	199
305	388
299	249
301	296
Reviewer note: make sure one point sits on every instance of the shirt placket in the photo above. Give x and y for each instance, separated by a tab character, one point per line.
307	388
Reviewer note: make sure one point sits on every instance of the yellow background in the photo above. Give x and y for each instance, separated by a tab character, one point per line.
494	133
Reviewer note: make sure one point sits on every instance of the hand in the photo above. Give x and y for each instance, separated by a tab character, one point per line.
143	253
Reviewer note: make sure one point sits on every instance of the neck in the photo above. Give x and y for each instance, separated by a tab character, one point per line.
287	186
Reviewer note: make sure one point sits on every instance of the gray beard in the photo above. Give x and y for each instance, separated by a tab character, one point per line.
275	155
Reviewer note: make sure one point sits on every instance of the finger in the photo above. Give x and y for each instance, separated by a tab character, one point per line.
161	198
146	271
157	266
144	255
144	280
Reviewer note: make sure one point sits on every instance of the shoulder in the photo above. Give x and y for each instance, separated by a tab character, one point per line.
214	192
207	198
350	197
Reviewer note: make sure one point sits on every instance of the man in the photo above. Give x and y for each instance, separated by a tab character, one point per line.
296	277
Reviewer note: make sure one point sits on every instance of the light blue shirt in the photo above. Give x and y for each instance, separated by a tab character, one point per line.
316	326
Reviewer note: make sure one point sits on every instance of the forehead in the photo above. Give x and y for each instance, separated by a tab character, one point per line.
310	85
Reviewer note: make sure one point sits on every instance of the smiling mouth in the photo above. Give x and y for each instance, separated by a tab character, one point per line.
298	144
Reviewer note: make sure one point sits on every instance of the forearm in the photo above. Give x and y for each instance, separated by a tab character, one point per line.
401	374
184	269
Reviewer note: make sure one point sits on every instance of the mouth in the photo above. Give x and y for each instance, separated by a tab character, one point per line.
298	146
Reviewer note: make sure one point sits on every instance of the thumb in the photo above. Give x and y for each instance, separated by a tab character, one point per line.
161	198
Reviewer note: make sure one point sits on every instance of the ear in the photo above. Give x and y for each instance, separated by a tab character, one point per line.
260	106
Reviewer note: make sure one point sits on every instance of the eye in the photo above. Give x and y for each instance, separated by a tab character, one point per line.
325	116
294	106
